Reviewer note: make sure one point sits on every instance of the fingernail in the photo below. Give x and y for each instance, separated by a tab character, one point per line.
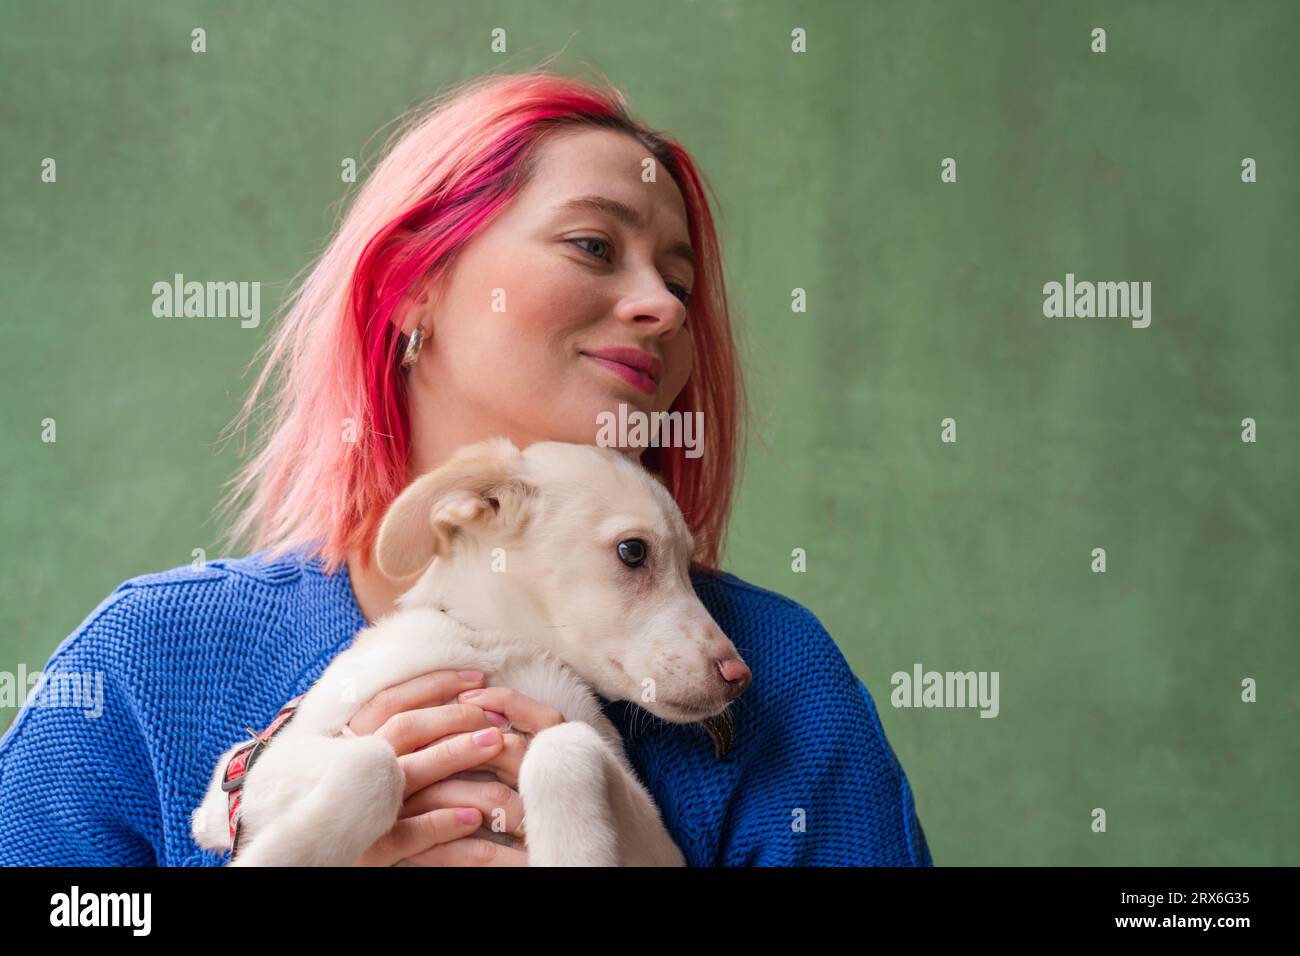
467	816
470	675
495	718
486	738
469	693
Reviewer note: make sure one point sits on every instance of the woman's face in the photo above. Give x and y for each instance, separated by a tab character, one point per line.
509	334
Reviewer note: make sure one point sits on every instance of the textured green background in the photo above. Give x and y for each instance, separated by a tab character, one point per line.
1118	690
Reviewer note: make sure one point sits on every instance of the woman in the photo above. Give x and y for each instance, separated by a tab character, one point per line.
510	234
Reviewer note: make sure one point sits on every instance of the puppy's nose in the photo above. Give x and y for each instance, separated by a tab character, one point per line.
736	674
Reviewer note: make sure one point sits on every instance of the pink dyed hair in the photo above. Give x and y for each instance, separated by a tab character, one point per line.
446	172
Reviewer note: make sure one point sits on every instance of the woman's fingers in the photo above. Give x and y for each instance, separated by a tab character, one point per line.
505	764
522	711
412	729
526	719
427	690
417	834
500	804
470	851
436	735
448	756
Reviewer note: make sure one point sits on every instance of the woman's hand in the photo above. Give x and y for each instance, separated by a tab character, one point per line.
436	736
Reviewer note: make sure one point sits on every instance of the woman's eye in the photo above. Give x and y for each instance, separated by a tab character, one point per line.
684	294
603	242
633	552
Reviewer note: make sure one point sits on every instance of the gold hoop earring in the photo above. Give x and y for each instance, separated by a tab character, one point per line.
413	347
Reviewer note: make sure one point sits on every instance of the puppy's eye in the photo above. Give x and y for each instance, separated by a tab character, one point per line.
632	552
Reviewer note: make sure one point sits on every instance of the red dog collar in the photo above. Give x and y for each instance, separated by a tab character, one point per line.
242	761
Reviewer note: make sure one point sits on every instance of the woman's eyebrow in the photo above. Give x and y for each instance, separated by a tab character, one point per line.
628	216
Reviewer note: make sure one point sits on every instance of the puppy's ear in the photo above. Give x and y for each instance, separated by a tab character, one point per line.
481	486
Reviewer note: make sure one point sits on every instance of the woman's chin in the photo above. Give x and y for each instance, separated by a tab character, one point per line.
602	423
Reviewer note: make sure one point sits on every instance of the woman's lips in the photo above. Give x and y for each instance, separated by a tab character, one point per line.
638	380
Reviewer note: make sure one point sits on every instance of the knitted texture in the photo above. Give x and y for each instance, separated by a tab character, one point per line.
190	658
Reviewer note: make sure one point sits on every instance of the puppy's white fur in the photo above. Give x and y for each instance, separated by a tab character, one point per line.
565	615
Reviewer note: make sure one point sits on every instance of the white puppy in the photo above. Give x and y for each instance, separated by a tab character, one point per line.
554	571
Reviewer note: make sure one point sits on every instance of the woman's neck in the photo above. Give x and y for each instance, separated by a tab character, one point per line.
376	594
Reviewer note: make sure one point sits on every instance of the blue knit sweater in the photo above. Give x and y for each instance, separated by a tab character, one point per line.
189	658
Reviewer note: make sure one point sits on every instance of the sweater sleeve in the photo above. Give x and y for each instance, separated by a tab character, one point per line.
75	779
821	786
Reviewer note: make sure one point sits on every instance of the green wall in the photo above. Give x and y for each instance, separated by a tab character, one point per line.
1119	690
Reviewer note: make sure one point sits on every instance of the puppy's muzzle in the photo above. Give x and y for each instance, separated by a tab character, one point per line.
736	674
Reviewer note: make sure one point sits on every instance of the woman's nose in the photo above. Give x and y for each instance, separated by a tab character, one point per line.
658	309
